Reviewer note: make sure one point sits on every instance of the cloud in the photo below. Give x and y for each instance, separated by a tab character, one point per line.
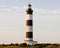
47	11
11	21
46	24
42	11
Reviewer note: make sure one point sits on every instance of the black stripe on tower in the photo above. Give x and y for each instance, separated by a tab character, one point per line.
29	11
29	34
29	22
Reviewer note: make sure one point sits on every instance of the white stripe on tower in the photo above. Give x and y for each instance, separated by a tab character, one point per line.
29	17
29	29
29	24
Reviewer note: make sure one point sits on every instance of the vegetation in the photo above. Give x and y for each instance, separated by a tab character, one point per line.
24	45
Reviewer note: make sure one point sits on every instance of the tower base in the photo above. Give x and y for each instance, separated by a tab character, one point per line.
30	42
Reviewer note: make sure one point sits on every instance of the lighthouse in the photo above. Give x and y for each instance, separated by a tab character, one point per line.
29	26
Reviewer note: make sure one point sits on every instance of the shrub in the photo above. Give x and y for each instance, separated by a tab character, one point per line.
23	44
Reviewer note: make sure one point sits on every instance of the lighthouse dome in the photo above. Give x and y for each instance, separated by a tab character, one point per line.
29	10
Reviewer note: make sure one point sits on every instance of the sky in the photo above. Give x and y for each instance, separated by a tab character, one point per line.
46	21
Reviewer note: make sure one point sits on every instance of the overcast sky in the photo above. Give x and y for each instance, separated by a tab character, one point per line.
46	17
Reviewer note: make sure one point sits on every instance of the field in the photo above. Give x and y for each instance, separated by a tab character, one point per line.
30	46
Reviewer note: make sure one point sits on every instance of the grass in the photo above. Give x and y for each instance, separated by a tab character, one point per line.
30	46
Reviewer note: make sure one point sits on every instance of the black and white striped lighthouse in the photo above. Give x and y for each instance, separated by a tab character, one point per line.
29	26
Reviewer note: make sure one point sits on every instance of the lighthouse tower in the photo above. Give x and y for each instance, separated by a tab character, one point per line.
29	26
